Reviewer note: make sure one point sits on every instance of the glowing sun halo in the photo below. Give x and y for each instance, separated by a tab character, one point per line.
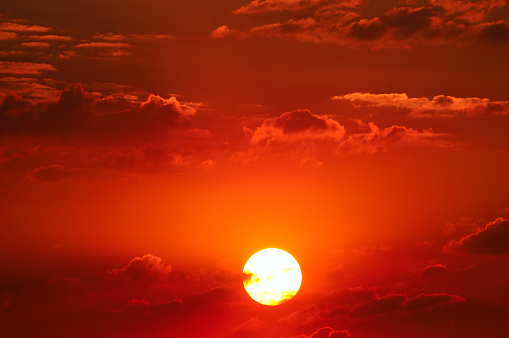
272	276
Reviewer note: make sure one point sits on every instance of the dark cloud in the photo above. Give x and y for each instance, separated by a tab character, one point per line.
328	332
74	115
148	267
495	33
407	21
132	301
383	305
300	135
491	239
13	107
378	306
430	301
72	112
410	23
351	296
299	121
433	270
367	29
296	126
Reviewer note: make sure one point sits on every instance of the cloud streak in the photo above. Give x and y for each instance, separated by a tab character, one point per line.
264	6
423	107
24	68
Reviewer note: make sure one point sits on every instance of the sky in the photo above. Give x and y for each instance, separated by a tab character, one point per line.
148	149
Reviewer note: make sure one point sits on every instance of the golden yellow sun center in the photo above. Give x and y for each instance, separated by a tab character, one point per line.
272	276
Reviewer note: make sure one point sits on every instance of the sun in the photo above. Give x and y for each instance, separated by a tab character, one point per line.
272	276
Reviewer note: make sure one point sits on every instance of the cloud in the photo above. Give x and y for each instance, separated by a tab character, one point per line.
35	44
433	270
57	172
383	305
74	111
24	68
465	226
423	107
221	32
380	140
263	6
411	23
495	33
135	306
303	138
151	118
52	172
327	332
10	52
406	21
114	134
50	37
7	35
16	27
308	139
30	87
146	268
427	302
365	29
103	45
124	37
109	37
491	239
70	113
297	126
155	104
470	11
251	327
378	306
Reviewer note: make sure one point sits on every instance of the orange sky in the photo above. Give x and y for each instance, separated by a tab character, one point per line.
147	150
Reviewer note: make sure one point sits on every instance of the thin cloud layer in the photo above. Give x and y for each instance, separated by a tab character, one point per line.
17	27
56	172
264	6
24	68
21	38
423	107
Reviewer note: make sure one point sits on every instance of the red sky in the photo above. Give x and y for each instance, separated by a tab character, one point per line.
148	149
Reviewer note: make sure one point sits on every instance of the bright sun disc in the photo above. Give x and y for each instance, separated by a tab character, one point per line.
272	276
